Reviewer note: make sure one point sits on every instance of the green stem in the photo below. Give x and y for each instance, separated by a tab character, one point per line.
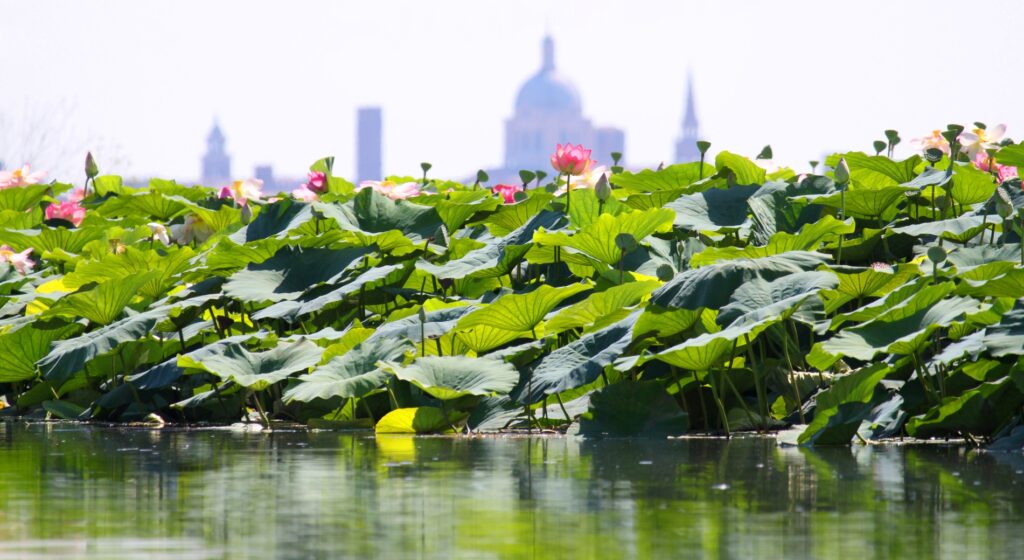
722	416
792	377
562	406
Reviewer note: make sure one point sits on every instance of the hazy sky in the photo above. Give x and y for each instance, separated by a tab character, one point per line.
142	81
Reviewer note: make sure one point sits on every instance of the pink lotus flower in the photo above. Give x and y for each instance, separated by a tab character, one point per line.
982	139
882	267
67	211
986	163
305	194
392	190
317	182
933	140
243	191
570	159
507	192
20	177
19	261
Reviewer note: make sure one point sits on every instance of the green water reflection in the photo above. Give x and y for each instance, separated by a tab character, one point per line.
72	491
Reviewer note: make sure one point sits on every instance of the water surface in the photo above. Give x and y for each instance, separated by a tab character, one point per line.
71	491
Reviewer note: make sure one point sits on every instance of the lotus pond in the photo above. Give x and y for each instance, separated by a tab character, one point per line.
71	491
881	298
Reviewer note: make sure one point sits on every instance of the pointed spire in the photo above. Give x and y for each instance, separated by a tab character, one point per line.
690	116
548	63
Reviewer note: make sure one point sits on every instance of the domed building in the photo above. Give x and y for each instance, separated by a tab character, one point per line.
549	111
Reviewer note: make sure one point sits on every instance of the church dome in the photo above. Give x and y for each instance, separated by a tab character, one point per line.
547	91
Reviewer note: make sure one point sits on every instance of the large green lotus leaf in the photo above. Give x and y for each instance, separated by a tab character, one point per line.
856	386
69	356
713	285
665	322
352	374
22	348
978	411
20	199
899	303
521	312
227	256
672	177
1007	337
971	186
256	370
462	205
809	238
965	258
577	363
1011	155
1008	284
930	177
51	239
438	323
598	239
14	219
498	256
145	204
451	377
633	408
901	336
654	199
104	303
275	220
960	229
898	171
713	209
291	272
372	212
587	208
773	207
484	338
511	217
836	425
866	203
319	298
220	220
417	420
711	350
870	283
781	298
599	306
134	261
746	171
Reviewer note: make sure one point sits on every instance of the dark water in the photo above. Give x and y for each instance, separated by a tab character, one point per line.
76	492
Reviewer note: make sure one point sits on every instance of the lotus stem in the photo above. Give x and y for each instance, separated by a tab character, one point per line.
259	408
792	377
743	403
562	406
703	407
722	416
568	192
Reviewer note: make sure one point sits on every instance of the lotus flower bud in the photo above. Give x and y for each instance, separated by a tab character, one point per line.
423	315
91	169
246	214
602	189
842	172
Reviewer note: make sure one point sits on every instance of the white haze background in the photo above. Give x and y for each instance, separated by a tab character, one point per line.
141	82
